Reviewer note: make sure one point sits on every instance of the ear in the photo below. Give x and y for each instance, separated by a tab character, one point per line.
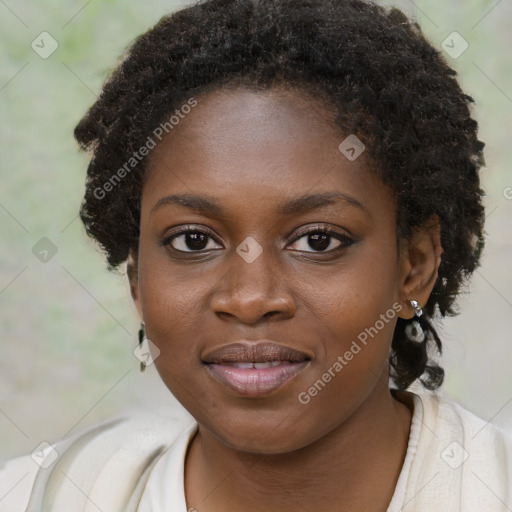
133	280
420	257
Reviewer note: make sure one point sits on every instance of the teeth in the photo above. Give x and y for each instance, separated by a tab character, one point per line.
258	366
244	366
270	364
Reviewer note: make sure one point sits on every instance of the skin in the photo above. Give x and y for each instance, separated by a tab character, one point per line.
253	151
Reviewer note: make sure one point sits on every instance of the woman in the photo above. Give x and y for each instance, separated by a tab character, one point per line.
294	188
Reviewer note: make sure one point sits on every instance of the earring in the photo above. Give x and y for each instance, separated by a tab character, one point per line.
142	335
417	308
413	330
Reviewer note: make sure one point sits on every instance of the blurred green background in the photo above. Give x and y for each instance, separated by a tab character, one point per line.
68	327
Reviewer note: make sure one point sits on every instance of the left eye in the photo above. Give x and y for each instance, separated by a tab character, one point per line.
321	239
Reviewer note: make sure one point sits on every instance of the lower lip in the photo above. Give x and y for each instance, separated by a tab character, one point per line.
252	382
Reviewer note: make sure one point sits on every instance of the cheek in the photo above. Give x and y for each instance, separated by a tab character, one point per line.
358	302
170	294
171	303
355	362
356	316
357	333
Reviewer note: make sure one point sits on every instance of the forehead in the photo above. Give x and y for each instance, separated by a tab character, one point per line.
243	146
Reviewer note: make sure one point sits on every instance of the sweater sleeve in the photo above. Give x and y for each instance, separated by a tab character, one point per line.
104	466
17	477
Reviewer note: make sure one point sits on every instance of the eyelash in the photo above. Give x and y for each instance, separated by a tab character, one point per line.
344	239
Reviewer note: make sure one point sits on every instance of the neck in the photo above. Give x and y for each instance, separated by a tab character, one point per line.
354	467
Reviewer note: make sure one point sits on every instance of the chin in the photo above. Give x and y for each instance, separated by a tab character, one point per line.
258	432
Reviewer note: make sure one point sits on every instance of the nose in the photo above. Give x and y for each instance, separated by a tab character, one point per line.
250	292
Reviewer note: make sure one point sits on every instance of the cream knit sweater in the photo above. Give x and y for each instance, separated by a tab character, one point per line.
455	462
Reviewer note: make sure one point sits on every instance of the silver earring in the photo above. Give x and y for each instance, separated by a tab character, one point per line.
417	308
413	330
142	335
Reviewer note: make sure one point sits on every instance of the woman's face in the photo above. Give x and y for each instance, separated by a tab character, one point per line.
255	267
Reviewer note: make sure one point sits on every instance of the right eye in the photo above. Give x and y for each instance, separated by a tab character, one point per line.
190	239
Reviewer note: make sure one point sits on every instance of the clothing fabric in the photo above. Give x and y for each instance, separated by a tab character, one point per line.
455	462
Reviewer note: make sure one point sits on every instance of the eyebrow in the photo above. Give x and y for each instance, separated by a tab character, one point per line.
209	206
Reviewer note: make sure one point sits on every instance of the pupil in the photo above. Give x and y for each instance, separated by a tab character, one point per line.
319	241
195	241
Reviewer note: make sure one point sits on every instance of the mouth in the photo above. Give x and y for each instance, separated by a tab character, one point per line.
255	370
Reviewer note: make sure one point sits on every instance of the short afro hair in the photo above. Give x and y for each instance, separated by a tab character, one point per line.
371	64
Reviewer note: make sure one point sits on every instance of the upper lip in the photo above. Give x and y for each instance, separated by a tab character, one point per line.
257	352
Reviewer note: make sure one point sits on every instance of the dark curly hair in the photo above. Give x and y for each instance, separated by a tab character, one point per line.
370	64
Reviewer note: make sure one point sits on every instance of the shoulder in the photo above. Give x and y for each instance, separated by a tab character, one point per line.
63	475
486	446
454	417
461	459
16	480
